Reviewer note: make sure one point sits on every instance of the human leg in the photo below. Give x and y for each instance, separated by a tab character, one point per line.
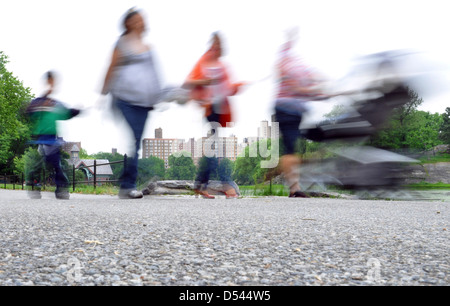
33	170
208	164
61	180
136	118
229	187
290	161
205	169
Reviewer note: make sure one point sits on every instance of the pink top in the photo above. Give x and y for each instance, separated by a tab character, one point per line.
292	73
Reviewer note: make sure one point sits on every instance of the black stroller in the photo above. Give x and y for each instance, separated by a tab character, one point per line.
355	166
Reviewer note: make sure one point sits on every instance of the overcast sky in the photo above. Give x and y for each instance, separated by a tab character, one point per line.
75	38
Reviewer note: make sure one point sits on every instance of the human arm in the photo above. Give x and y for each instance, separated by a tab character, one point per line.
306	86
197	77
114	62
192	83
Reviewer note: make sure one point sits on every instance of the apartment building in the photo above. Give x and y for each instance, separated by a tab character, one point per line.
160	147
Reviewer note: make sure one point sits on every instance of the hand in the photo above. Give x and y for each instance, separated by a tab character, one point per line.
104	91
207	82
101	103
236	87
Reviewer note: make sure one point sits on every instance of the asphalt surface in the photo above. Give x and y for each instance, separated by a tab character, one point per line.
183	241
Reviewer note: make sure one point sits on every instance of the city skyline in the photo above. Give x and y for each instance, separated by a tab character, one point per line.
252	39
230	147
212	145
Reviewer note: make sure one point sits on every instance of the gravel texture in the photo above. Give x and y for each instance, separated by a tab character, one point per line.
101	240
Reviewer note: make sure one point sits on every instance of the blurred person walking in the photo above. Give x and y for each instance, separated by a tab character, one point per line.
210	85
297	87
44	113
134	83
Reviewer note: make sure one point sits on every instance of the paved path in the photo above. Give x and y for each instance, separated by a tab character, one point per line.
101	240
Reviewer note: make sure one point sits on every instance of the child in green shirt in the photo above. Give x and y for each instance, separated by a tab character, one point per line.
44	113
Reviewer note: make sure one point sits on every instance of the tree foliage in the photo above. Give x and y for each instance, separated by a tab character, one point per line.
151	168
180	168
247	168
445	127
14	124
32	160
117	169
28	161
208	164
424	133
225	169
409	128
219	169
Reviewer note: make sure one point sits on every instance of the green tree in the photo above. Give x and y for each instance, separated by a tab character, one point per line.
220	170
32	160
181	168
27	162
83	154
247	168
14	124
445	127
150	168
423	132
208	164
116	168
405	112
403	122
225	169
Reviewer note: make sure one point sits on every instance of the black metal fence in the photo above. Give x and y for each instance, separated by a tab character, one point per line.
95	165
19	180
14	180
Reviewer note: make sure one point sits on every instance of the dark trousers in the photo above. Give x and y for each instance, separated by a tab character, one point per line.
211	164
290	129
52	156
204	173
136	118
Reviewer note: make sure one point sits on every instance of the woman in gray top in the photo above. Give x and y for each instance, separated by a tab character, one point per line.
133	82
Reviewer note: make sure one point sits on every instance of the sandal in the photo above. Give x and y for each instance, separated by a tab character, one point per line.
233	196
203	194
299	194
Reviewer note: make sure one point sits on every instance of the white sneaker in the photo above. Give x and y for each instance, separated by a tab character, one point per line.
130	194
34	194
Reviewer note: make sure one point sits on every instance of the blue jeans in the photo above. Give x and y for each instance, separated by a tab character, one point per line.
205	171
136	117
51	156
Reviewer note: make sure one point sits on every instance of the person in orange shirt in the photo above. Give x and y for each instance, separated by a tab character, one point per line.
210	85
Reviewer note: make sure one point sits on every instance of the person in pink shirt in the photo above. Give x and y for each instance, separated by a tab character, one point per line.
296	88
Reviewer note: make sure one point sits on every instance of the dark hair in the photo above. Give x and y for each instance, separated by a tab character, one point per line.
215	36
49	75
130	13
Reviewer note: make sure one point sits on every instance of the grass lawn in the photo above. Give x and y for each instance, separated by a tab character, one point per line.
82	189
438	158
428	186
264	190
